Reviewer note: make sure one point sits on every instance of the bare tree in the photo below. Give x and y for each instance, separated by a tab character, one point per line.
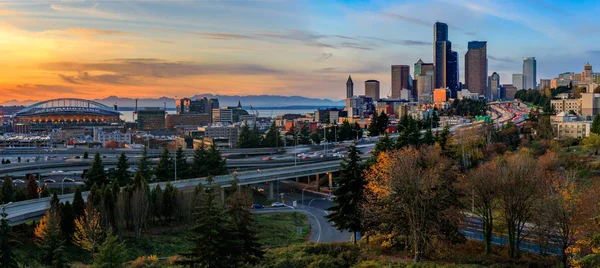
121	213
139	208
482	184
519	189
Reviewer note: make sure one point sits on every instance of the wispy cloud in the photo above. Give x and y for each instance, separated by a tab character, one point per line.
354	45
506	59
399	41
83	31
409	19
221	36
85	9
325	56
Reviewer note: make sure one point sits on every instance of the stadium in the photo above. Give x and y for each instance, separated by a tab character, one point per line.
64	113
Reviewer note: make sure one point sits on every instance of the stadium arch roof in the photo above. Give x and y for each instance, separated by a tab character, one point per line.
67	106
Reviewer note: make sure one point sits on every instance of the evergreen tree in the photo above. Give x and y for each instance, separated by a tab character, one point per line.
383	144
215	164
67	220
122	172
357	130
293	131
245	226
199	168
435	118
144	165
156	197
345	132
96	173
60	258
8	190
373	128
304	134
168	201
182	167
443	139
111	254
428	138
273	139
31	189
85	155
544	127
248	138
45	192
20	195
346	210
215	239
315	137
164	168
48	235
7	256
596	124
382	122
78	204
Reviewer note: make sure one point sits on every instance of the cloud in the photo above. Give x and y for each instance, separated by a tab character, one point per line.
354	45
82	31
221	36
326	70
547	6
47	88
407	19
325	56
164	41
507	60
293	34
399	41
133	71
83	9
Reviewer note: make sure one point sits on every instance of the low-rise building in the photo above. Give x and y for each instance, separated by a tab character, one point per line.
567	105
102	136
466	94
177	120
565	125
221	133
151	119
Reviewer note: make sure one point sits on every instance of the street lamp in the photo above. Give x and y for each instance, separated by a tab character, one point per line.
314	200
62	185
303	195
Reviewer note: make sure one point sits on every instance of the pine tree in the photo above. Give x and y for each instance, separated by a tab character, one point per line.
121	174
544	127
373	127
315	137
7	256
273	139
78	204
428	138
67	220
245	226
8	190
59	258
156	197
31	189
48	235
214	162
182	167
199	168
85	155
443	139
596	124
215	240
20	195
144	165
383	144
304	134
111	253
164	168
382	122
168	204
96	173
346	210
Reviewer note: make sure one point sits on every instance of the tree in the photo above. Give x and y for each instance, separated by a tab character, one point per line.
304	134
383	145
373	128
85	155
7	256
181	166
346	212
88	229
248	138
518	187
215	164
67	219
272	138
596	125
482	184
45	192
121	174
443	139
139	205
8	190
111	254
31	189
48	235
544	127
245	226
199	168
315	137
382	123
592	142
215	239
164	168
78	204
59	258
96	174
144	165
428	138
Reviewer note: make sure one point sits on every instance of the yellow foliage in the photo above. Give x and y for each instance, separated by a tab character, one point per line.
41	230
88	230
146	261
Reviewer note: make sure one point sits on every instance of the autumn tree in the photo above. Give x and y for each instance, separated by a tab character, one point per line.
88	229
481	183
592	142
111	254
48	234
346	212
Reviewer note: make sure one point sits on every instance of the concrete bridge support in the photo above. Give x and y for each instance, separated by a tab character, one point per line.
318	183
330	179
271	193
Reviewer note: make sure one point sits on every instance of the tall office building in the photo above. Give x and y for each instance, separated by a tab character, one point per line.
544	83
517	81
423	74
441	51
400	80
493	87
372	89
349	88
476	67
587	75
417	68
452	76
529	73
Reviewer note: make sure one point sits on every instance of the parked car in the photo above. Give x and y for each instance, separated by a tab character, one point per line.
277	204
257	206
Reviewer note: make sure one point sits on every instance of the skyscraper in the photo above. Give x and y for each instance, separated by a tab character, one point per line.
517	81
529	73
372	89
476	67
442	48
587	75
400	80
417	69
545	83
349	88
493	87
452	76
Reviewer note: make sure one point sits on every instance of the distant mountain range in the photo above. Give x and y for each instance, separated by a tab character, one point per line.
257	101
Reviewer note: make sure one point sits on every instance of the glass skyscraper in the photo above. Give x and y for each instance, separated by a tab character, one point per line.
529	73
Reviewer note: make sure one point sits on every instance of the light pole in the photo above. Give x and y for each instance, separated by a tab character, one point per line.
175	167
62	185
314	200
303	195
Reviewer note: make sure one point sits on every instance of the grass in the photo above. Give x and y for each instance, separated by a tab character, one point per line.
280	229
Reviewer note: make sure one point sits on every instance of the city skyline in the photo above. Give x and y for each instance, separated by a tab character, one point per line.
98	49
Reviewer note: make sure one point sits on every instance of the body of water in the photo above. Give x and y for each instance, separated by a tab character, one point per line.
128	115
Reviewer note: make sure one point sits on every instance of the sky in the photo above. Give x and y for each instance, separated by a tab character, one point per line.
142	49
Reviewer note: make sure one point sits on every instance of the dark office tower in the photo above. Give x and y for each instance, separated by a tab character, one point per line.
476	67
400	80
452	77
372	89
349	88
441	52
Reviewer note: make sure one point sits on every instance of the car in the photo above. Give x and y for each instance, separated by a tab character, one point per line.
49	181
68	180
277	205
17	181
260	190
257	206
267	158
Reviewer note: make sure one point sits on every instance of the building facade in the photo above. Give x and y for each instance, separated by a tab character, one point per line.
349	88
517	81
372	89
151	119
476	67
174	120
493	87
545	84
400	80
103	137
441	52
509	92
567	105
529	73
